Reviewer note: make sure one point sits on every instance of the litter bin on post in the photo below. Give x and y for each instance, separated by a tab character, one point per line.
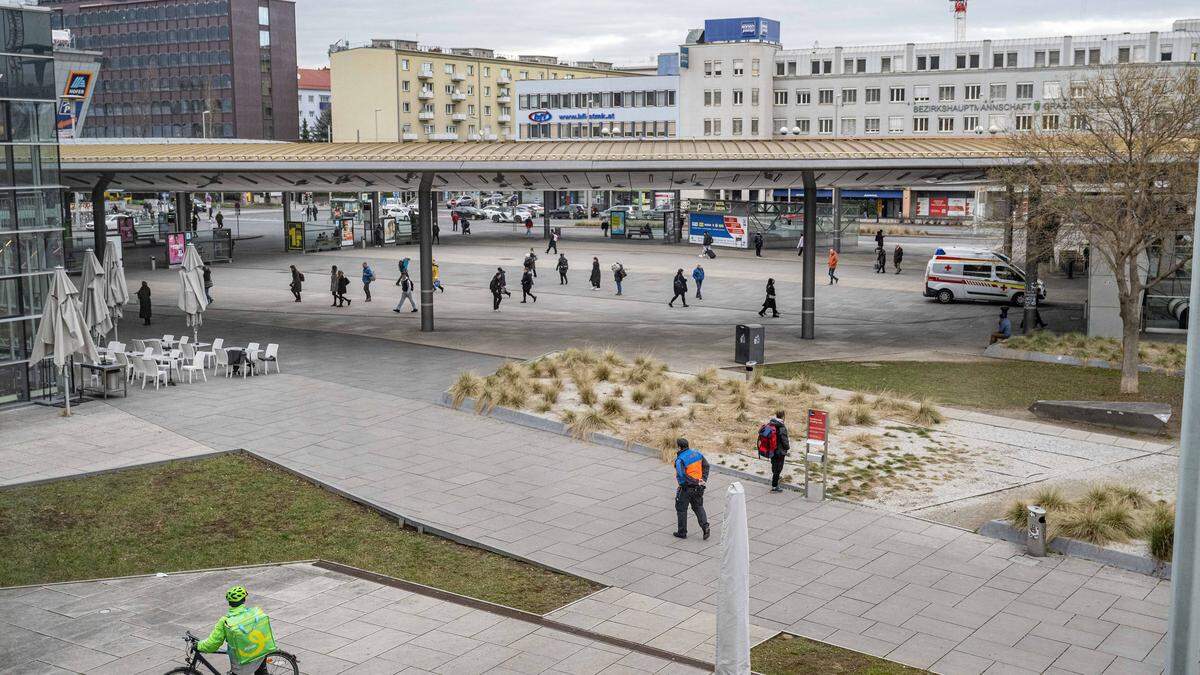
1035	540
749	343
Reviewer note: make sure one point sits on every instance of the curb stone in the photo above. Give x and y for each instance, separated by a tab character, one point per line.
1000	529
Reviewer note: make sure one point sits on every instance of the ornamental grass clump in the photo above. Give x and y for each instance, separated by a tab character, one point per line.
613	407
927	413
707	377
797	386
468	385
584	423
1158	529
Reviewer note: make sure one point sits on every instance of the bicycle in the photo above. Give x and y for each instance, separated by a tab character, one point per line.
276	662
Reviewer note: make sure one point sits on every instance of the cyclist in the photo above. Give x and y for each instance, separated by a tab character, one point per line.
248	632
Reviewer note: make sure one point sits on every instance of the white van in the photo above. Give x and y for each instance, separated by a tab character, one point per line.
962	274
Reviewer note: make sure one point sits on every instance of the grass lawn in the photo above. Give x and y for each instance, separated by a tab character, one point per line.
233	510
986	385
787	654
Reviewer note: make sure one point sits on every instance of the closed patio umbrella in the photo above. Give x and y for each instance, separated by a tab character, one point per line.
62	331
117	290
192	300
96	313
733	587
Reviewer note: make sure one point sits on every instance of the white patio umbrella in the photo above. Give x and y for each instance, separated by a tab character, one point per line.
96	313
192	300
733	587
62	331
117	290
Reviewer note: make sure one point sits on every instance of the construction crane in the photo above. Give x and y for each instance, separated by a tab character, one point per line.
960	19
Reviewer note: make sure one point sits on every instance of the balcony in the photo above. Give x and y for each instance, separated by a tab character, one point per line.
473	137
459	117
504	99
425	94
490	137
457	96
443	137
425	74
504	119
504	79
425	115
457	77
408	136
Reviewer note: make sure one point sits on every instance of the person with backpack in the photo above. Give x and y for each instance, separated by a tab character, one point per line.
619	274
691	474
503	281
880	261
406	287
528	226
368	275
769	302
436	273
527	284
706	247
773	444
403	265
497	288
297	282
680	287
562	269
698	277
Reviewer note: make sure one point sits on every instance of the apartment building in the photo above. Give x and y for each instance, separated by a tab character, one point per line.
398	90
313	95
598	108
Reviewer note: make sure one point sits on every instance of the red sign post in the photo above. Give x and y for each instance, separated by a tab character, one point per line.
818	426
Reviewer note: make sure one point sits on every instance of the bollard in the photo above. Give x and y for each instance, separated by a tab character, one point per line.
153	263
750	369
1035	542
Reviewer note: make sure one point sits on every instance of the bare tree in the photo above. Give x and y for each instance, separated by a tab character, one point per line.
1114	161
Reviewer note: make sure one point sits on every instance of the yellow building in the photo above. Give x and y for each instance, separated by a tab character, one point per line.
396	90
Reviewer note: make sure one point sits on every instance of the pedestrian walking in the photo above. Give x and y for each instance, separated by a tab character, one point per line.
880	261
503	282
435	272
758	244
595	277
773	444
833	263
297	282
527	285
143	296
220	220
333	284
706	247
879	239
437	233
208	282
619	275
496	286
454	221
406	287
531	262
691	475
562	269
769	302
897	257
403	266
604	227
368	275
698	277
553	242
800	246
343	285
1003	328
679	286
528	226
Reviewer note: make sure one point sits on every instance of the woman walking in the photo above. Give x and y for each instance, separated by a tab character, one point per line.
833	262
343	284
297	282
562	269
527	285
595	273
143	296
897	257
619	275
769	302
333	284
679	287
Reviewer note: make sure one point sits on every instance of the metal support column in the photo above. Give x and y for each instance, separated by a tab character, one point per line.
183	212
1183	630
809	306
287	215
99	228
426	205
548	203
376	221
837	219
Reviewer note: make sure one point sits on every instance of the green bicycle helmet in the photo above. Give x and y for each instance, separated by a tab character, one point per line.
236	594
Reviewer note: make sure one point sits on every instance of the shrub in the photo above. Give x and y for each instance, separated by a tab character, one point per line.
759	382
550	368
702	395
639	395
468	385
603	372
855	415
612	357
707	377
1050	498
586	422
1017	514
1130	496
613	407
740	401
927	413
1112	523
544	407
510	371
857	398
864	439
798	385
1159	532
1096	497
665	443
1118	518
587	396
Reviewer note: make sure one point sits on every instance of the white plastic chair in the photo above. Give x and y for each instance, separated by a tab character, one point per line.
137	346
114	346
271	355
168	339
137	368
221	358
252	355
123	361
210	354
197	365
188	351
183	340
151	368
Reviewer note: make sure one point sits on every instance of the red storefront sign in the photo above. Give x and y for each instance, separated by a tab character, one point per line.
939	206
818	425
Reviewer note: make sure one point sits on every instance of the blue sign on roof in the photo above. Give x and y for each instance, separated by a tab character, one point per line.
742	29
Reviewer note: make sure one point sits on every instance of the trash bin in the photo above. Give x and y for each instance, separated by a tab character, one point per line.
1035	540
749	343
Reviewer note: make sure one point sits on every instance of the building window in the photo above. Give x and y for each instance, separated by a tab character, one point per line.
403	64
717	65
1094	56
1049	122
1024	91
920	124
960	61
264	38
1039	59
971	92
871	95
754	67
885	64
896	95
1078	89
736	127
946	93
753	126
739	97
895	124
791	68
1052	89
871	125
849	126
849	96
805	126
971	123
997	121
803	97
1052	58
974	60
860	65
708	127
922	63
825	125
920	94
754	96
739	67
1165	53
716	127
779	124
1078	122
945	124
781	97
1024	122
780	69
825	96
708	68
264	15
848	66
998	92
1004	60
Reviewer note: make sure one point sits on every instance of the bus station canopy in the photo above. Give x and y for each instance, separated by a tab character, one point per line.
150	165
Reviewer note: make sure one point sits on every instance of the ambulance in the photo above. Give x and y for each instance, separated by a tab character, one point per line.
970	274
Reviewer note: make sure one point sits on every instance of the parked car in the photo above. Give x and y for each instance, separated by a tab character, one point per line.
630	211
494	213
469	212
569	212
535	209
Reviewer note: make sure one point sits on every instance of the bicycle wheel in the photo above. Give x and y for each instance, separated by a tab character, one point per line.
279	663
184	670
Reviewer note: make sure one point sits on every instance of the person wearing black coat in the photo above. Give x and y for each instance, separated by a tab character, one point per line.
595	278
782	445
769	303
343	284
497	288
758	244
879	238
680	288
503	281
880	261
143	296
562	269
527	285
897	257
297	282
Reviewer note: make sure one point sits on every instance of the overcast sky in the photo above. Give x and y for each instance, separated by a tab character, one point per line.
630	32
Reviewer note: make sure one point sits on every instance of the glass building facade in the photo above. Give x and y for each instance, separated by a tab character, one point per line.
31	211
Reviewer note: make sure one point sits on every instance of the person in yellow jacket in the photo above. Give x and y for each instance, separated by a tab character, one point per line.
437	281
247	630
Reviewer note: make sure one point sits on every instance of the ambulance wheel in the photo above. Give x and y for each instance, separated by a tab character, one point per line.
945	297
1018	300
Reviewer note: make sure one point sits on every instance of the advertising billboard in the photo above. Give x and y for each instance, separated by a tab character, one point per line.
742	29
726	230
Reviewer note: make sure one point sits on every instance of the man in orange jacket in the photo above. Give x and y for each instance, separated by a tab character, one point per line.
833	262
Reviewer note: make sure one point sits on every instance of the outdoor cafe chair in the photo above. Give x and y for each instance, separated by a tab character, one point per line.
189	352
168	340
197	365
123	361
270	356
137	346
221	358
210	354
151	368
183	340
252	355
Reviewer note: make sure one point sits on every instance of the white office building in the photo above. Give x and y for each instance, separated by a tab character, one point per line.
598	108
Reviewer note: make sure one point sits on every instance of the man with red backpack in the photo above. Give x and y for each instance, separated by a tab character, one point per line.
773	444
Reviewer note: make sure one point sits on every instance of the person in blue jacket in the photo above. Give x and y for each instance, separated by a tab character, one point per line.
691	473
698	277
